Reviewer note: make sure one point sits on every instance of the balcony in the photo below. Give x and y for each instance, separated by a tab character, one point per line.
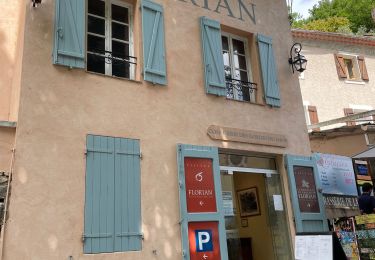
240	90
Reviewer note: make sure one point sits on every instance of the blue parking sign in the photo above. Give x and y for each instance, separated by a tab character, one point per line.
203	240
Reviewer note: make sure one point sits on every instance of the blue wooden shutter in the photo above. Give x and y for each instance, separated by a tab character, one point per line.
154	65
69	44
213	57
305	221
269	71
113	205
128	236
100	195
183	151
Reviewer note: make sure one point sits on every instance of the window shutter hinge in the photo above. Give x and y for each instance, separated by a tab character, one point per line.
180	221
85	152
140	155
83	238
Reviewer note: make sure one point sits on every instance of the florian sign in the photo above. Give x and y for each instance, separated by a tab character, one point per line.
237	9
200	187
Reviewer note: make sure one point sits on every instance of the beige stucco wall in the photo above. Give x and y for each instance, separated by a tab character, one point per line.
349	145
11	46
321	86
59	107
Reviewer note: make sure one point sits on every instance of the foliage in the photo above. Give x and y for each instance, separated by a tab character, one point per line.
330	24
358	12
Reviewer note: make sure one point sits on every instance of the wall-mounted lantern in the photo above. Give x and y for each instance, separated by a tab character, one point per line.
297	60
36	2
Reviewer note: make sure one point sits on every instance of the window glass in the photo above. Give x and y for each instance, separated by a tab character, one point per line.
95	63
349	66
108	39
96	7
120	14
236	68
95	25
120	31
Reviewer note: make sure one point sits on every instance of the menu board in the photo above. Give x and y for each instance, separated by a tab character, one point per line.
313	247
336	174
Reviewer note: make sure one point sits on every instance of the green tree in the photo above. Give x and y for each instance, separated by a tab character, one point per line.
330	24
358	12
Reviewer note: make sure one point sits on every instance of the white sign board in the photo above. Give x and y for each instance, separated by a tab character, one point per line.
317	247
278	202
227	203
336	174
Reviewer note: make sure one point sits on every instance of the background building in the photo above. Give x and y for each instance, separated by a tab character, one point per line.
338	94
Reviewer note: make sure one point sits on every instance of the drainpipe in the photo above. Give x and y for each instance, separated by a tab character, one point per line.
6	204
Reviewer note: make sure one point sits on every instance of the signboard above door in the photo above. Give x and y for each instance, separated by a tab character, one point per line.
246	136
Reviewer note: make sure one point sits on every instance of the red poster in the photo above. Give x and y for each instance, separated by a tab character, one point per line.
306	189
204	241
200	187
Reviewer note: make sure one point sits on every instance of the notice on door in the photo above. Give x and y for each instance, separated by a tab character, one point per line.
204	240
200	186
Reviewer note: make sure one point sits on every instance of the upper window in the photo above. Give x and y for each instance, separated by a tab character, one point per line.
351	67
109	38
237	68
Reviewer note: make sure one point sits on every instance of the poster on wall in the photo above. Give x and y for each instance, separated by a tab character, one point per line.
336	174
306	189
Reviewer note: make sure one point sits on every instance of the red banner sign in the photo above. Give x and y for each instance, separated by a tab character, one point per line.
200	186
204	241
306	189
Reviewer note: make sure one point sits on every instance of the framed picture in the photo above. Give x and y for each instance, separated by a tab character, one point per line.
248	202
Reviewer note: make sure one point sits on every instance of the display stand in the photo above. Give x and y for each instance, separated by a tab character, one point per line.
318	245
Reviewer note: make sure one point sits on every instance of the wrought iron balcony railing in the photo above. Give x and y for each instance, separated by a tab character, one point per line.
239	88
111	57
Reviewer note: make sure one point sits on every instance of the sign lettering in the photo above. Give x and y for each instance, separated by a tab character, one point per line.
239	6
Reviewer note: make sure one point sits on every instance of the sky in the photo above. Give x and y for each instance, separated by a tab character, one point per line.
303	6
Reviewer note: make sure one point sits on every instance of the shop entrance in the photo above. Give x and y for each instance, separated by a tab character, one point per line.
255	218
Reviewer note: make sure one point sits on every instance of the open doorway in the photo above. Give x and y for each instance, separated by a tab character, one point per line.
255	218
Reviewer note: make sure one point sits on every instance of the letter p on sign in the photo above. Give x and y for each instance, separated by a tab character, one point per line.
203	240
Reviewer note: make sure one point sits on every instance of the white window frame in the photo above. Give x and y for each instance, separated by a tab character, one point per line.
231	36
108	34
306	105
356	70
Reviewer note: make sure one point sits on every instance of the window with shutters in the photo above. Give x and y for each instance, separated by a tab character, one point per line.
237	68
352	68
112	220
110	39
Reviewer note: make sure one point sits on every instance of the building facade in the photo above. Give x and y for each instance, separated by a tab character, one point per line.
155	130
340	69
